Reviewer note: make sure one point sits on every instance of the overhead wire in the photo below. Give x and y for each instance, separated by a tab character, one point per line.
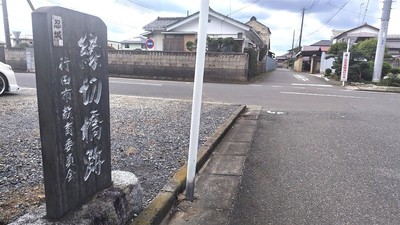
327	21
255	1
350	11
142	5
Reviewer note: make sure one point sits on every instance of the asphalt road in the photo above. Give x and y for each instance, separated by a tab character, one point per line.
322	154
330	157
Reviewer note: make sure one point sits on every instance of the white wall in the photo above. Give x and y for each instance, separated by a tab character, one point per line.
325	63
215	26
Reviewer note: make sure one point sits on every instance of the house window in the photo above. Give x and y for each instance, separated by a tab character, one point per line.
143	46
240	35
126	45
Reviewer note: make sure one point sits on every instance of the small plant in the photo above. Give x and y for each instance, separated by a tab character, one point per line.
395	70
191	46
328	72
391	80
386	67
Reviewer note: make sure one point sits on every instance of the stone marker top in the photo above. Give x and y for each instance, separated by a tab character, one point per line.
55	9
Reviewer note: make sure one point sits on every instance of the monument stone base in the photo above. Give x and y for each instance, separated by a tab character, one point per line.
115	205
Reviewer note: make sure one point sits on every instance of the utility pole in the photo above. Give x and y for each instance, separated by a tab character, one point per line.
6	25
31	5
301	28
294	31
380	48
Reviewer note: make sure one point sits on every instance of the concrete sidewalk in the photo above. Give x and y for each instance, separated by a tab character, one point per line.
217	183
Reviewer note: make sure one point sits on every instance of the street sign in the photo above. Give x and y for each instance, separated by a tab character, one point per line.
345	66
149	43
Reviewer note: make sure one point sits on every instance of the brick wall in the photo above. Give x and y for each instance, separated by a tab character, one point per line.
219	67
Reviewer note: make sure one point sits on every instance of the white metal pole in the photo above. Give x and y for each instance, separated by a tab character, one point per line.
380	48
197	93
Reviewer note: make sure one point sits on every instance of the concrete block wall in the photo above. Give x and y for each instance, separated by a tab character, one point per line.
219	67
16	58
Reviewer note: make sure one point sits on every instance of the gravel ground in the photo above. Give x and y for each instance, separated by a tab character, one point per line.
149	137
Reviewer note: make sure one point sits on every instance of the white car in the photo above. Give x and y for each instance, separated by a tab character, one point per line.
8	83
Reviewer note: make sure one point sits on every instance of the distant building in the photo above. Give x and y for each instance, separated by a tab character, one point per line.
312	58
262	30
136	43
21	40
174	33
356	34
114	45
393	45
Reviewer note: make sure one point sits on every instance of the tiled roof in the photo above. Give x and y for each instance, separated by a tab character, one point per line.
315	48
348	31
323	43
161	23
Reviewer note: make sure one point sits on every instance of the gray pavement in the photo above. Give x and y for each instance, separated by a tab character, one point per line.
321	168
330	157
217	182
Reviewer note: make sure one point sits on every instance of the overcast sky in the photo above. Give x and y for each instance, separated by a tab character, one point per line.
125	18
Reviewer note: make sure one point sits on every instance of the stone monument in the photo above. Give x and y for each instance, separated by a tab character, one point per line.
71	64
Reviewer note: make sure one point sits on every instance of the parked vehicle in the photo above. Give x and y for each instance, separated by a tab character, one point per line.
8	83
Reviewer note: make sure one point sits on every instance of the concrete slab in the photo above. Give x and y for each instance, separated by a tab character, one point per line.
242	132
225	165
252	113
233	148
216	191
191	215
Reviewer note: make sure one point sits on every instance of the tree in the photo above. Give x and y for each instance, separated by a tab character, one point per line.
217	45
223	45
361	59
336	50
367	48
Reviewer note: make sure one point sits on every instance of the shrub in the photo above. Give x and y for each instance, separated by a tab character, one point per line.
395	70
361	71
386	67
391	80
328	71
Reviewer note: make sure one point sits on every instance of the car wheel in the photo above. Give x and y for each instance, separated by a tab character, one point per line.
3	83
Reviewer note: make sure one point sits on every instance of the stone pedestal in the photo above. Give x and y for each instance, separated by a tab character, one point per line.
115	205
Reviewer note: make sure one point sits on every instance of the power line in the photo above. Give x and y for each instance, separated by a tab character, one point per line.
326	22
313	4
142	5
358	13
243	7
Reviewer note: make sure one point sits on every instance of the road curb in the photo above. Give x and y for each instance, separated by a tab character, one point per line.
160	206
380	89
